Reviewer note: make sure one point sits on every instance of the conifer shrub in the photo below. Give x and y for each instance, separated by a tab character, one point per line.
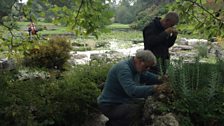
52	55
80	86
69	101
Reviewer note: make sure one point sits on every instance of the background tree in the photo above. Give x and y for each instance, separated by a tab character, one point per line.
147	10
5	8
124	12
8	16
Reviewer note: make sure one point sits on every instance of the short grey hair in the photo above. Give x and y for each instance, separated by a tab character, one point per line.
146	56
172	16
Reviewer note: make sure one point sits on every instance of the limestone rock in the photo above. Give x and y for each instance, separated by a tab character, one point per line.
165	120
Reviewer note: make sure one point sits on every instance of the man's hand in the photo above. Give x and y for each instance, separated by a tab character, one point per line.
171	31
163	78
174	32
163	88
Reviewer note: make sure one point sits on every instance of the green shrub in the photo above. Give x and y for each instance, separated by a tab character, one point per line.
21	103
77	98
52	55
95	72
69	101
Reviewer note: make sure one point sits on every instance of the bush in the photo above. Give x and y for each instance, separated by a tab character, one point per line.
52	55
69	101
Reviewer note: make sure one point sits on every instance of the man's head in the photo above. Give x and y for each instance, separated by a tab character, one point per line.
170	20
144	59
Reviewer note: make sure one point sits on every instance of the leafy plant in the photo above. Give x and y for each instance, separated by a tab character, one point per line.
52	55
205	16
198	91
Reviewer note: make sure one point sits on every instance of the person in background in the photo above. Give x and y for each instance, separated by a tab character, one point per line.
32	30
159	36
123	93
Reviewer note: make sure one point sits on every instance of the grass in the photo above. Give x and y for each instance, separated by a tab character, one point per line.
45	28
122	35
37	23
60	30
118	26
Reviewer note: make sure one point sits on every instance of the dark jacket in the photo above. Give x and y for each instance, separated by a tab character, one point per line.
157	40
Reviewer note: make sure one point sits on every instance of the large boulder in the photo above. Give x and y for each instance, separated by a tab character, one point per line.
154	116
197	42
98	120
216	50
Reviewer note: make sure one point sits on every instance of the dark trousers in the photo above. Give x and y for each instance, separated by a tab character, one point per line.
161	66
123	114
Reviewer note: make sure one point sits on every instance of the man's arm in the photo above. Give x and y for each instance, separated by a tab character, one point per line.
132	88
151	78
151	39
171	40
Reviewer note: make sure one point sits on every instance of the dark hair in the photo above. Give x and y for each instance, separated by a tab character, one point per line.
172	16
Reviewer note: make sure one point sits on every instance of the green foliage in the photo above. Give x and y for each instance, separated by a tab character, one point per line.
124	13
81	82
76	100
52	55
95	72
146	16
184	120
69	101
84	17
5	8
205	16
11	38
202	51
19	101
198	91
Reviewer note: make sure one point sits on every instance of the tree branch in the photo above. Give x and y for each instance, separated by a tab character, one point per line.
204	9
76	17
